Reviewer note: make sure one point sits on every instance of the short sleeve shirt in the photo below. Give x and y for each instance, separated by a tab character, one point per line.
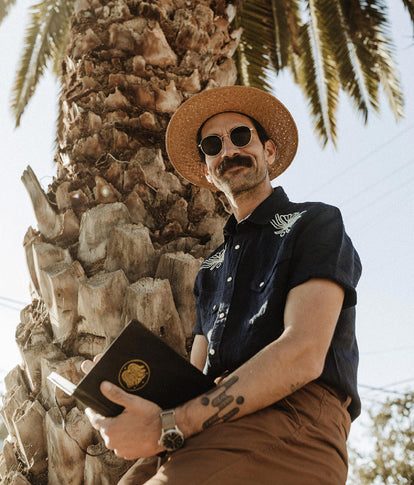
242	286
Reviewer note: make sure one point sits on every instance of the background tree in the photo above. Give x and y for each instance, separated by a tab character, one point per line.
391	461
328	46
120	235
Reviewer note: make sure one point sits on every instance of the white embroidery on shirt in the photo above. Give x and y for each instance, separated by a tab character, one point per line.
261	312
283	223
215	261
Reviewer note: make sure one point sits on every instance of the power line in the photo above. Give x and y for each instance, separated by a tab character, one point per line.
13	301
378	182
373	218
382	389
358	162
382	196
10	307
404	381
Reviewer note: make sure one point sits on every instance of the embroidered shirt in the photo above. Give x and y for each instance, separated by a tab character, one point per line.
241	288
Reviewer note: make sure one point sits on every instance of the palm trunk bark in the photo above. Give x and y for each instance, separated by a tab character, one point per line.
120	235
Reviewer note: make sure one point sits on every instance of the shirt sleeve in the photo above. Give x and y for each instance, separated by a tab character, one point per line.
322	249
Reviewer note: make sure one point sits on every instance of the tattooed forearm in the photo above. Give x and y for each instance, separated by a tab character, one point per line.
222	401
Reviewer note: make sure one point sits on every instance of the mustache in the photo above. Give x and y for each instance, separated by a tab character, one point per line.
236	161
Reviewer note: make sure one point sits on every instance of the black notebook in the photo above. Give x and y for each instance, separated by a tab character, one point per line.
140	363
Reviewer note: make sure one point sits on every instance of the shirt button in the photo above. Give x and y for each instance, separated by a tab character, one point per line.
222	315
237	246
261	284
212	352
229	279
214	307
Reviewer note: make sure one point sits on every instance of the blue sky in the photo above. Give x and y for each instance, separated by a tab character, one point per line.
369	177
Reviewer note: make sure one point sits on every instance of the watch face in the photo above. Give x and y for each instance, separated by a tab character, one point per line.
172	440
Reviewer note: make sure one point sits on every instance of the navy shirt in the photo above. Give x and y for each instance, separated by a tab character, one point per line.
242	286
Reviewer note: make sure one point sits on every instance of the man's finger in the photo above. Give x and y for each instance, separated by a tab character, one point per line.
86	366
96	419
115	393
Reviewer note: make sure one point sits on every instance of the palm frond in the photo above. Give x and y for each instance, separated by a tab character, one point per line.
5	6
308	81
348	65
409	5
383	51
284	34
269	39
374	49
323	81
253	57
43	38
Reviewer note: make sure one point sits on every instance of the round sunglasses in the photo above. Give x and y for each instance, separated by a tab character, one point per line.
212	145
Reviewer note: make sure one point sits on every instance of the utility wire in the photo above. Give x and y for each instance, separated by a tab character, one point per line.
378	182
373	219
381	389
358	162
18	302
397	383
5	305
382	196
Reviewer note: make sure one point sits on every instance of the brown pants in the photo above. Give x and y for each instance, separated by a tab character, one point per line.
301	440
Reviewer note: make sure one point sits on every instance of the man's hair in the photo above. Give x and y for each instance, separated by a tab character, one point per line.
263	136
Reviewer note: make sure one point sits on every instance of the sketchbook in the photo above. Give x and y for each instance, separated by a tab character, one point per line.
142	364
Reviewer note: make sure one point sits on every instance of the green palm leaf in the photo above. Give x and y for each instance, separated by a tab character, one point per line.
253	56
43	40
270	36
368	29
341	48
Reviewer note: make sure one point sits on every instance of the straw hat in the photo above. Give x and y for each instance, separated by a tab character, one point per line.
181	137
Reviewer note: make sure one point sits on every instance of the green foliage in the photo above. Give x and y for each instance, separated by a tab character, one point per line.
392	459
328	46
45	39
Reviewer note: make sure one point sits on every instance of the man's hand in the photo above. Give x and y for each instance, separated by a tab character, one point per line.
135	432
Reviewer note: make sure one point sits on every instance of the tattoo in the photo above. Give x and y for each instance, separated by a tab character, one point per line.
221	401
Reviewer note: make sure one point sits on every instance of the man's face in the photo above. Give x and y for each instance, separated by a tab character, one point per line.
236	169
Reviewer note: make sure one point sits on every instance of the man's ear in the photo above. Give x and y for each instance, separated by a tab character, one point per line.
270	151
207	174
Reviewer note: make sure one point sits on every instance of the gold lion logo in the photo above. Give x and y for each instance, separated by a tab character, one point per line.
134	375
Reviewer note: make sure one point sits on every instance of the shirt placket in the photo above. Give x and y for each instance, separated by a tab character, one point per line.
221	308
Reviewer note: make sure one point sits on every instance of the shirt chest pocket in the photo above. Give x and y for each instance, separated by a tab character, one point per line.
267	276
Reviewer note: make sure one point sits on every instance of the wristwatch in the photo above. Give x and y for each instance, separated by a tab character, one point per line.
172	438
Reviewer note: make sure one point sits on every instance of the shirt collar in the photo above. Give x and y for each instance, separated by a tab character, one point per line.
263	212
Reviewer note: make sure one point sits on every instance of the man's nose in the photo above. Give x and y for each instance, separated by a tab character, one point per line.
229	149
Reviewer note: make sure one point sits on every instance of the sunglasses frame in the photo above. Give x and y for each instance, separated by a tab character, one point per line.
221	139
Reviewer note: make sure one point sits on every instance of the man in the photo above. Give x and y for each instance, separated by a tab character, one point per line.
275	317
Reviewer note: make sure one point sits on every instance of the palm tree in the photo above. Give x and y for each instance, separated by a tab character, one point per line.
328	46
120	234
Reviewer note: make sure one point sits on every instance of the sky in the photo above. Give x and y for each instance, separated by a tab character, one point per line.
369	176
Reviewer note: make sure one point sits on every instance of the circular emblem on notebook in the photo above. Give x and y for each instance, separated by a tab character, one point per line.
134	375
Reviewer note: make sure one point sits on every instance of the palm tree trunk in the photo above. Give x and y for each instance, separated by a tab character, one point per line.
120	234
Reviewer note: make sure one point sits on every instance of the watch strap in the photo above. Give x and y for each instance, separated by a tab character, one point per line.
168	419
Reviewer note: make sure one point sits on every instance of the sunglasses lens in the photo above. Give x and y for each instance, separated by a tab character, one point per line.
211	145
240	136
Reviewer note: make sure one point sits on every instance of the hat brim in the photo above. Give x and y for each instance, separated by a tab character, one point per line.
181	136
